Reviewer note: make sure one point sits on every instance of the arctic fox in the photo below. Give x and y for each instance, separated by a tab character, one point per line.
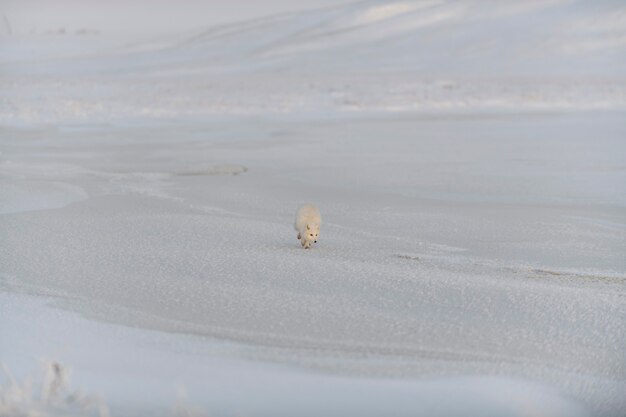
308	222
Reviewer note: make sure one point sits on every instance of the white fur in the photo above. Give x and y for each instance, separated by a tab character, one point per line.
308	222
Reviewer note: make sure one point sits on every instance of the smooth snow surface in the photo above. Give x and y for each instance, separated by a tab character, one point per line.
468	159
162	372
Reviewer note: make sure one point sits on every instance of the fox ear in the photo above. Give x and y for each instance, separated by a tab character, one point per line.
307	227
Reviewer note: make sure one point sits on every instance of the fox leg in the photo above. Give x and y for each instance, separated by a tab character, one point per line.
299	236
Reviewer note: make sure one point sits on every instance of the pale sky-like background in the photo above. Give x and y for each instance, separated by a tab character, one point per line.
158	16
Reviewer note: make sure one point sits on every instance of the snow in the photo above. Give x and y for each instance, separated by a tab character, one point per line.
470	174
32	195
226	378
386	11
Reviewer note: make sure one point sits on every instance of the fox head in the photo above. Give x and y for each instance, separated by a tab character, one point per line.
312	232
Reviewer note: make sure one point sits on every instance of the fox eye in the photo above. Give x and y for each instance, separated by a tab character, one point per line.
311	235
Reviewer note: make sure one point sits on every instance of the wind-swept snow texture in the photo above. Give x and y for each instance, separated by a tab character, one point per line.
469	158
373	56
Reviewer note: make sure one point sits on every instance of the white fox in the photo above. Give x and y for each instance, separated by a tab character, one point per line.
308	222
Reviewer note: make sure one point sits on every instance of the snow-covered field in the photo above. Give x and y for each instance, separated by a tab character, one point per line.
468	157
